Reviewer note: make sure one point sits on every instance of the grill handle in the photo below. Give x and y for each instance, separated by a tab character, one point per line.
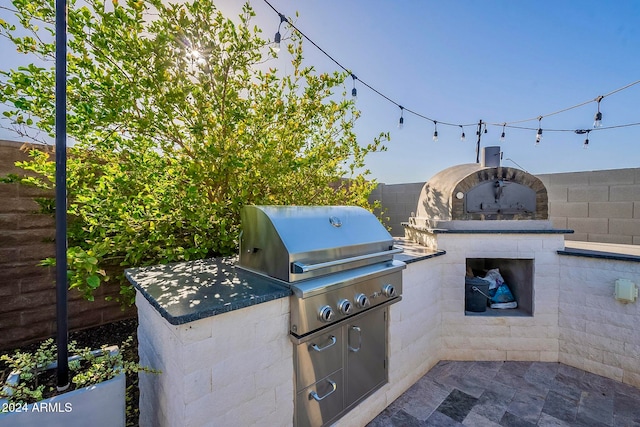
313	395
332	342
359	331
299	267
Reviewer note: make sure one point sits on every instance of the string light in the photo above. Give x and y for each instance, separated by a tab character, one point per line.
435	131
539	133
597	117
354	91
597	120
462	136
277	37
582	132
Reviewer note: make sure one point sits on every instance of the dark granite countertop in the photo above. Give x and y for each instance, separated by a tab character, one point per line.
414	252
187	291
618	252
500	231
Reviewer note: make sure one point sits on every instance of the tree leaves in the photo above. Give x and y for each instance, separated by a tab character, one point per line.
177	126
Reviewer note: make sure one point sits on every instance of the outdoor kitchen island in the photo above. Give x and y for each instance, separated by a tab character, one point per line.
220	336
229	362
224	338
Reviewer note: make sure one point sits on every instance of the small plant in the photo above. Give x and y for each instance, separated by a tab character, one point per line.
86	368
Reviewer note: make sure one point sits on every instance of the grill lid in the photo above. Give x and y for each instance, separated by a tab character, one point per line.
293	243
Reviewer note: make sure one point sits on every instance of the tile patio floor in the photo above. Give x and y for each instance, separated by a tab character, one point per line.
512	394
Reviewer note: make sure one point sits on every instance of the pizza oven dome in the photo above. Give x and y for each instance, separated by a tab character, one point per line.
463	195
474	192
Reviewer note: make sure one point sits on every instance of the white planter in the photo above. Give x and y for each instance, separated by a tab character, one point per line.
101	405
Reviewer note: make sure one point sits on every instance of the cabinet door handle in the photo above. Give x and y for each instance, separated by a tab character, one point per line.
332	342
359	331
313	395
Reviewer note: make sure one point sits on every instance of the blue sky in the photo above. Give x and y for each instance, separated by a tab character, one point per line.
499	61
462	61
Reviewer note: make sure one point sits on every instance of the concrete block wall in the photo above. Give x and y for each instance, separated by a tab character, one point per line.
234	369
398	201
598	333
532	338
27	312
600	206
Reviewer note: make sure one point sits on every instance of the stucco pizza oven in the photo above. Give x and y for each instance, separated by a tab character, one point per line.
479	196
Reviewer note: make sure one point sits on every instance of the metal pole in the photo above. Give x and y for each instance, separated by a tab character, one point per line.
62	332
479	133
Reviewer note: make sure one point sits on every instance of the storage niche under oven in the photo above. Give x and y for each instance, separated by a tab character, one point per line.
518	275
337	367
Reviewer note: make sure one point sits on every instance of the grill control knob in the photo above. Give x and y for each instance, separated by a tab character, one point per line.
326	314
389	291
344	306
362	301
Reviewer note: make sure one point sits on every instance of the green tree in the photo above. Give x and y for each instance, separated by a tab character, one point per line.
177	122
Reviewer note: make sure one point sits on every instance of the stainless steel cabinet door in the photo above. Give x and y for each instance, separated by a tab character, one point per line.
366	355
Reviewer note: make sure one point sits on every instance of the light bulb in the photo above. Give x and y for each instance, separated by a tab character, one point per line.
463	137
586	144
597	120
539	133
354	91
435	136
401	122
502	137
276	42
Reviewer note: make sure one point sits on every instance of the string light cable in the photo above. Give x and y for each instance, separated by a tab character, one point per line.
597	118
364	83
575	130
578	131
597	99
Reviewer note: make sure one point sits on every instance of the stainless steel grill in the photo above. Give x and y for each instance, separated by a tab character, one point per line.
338	261
334	258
